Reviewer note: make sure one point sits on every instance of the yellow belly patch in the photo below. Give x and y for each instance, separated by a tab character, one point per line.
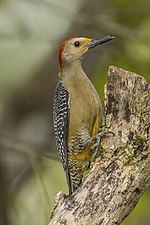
95	127
85	155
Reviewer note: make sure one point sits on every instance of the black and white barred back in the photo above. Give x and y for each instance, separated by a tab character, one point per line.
61	121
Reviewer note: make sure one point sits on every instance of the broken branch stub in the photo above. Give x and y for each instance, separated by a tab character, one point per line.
121	173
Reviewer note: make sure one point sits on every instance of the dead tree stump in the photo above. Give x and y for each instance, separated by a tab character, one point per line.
121	173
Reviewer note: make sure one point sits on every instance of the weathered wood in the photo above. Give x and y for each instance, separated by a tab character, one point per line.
121	173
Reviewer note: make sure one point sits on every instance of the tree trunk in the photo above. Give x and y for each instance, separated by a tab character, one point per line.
121	173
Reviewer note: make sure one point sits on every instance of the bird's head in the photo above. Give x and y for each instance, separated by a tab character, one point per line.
74	48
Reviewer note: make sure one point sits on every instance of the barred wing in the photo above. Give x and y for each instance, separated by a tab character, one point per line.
61	122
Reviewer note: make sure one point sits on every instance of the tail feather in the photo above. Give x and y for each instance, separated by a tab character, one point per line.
74	173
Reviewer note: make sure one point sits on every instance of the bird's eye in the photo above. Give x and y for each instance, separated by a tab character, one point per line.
77	43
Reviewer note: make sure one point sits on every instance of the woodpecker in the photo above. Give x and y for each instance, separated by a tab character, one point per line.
77	110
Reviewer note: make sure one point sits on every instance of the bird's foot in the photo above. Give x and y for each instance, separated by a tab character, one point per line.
97	138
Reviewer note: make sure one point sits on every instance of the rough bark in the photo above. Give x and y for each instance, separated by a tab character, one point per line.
121	173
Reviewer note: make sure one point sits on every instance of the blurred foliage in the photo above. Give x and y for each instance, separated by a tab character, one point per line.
140	214
36	199
30	31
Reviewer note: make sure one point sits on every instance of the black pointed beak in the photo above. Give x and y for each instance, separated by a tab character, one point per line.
98	41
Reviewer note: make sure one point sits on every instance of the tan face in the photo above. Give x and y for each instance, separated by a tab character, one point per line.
74	49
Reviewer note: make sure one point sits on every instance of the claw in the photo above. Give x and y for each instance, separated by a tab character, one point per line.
97	138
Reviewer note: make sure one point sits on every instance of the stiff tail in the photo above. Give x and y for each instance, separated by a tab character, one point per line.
74	173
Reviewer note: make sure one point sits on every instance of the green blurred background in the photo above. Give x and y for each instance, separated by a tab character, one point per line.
31	32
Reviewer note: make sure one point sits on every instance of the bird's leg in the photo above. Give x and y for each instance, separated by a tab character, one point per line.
103	131
97	139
